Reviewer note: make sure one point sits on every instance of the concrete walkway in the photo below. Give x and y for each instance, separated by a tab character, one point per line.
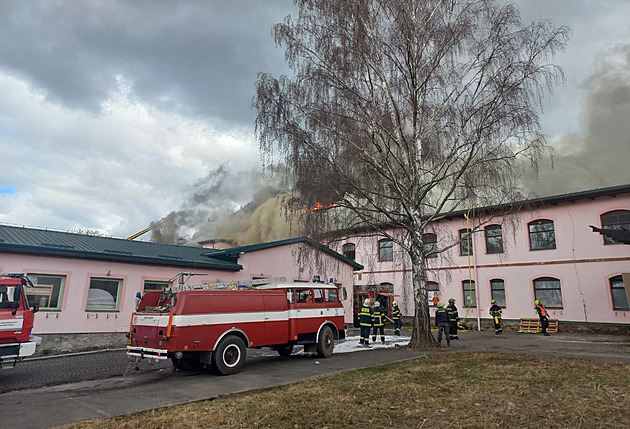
137	391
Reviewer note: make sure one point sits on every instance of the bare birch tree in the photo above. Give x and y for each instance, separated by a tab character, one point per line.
402	111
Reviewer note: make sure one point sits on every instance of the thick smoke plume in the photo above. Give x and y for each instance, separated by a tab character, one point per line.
598	156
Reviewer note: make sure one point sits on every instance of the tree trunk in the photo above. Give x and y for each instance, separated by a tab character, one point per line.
421	337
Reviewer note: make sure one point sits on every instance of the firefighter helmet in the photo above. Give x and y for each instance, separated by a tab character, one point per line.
451	300
366	303
536	302
395	303
377	304
440	304
494	301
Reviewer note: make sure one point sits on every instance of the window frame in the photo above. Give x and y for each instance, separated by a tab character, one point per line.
620	285
435	287
545	299
383	245
61	287
429	241
619	224
501	302
465	288
466	247
494	227
117	298
347	253
538	223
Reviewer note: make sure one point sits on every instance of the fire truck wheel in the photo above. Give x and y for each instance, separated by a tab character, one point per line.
285	349
229	356
326	343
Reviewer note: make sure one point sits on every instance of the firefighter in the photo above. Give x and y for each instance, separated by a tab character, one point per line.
495	312
544	317
454	318
377	322
397	317
443	322
365	320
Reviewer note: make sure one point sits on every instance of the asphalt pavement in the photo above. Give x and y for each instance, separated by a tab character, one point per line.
63	390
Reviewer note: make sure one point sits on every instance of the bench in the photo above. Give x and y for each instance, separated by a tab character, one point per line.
533	326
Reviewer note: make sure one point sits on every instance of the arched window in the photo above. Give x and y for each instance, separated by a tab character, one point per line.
470	294
349	251
385	250
430	245
618	292
433	290
617	219
497	288
494	239
541	234
387	287
548	290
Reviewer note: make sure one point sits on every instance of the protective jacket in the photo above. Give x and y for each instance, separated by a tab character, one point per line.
541	311
441	316
377	317
495	311
396	314
452	313
365	316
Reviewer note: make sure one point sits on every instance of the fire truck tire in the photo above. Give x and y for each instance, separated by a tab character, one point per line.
229	356
325	343
285	349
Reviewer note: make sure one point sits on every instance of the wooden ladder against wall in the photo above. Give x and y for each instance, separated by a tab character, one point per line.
533	326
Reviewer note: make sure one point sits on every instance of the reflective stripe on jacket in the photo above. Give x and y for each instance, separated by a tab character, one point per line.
377	317
495	311
396	314
441	316
452	313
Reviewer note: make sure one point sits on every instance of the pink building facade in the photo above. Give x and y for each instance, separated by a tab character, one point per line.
546	251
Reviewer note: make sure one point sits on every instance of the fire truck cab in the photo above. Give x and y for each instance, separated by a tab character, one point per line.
16	320
213	326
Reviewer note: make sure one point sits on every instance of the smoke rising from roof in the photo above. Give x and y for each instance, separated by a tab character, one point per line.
599	156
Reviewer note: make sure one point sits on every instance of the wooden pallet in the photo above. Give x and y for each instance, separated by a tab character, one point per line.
533	326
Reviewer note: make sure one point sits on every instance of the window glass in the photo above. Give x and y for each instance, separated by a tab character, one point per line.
152	285
541	235
386	250
494	239
433	291
318	295
465	242
618	219
10	297
303	295
497	287
47	292
103	294
618	291
470	297
548	291
386	287
430	245
349	251
332	295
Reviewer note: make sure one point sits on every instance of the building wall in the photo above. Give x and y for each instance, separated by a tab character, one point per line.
581	262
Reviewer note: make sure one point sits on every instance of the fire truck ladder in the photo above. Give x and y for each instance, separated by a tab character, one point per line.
250	284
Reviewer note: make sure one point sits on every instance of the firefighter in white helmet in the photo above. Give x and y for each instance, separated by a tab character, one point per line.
365	320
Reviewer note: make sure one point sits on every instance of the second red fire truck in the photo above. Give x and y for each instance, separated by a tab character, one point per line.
213	325
16	320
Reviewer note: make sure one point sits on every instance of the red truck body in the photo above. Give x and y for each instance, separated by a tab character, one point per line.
16	321
214	327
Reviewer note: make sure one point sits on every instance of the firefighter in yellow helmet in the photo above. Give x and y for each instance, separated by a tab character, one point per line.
495	312
443	322
378	322
396	317
365	320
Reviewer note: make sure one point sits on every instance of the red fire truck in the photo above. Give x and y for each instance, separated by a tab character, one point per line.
213	325
381	293
16	320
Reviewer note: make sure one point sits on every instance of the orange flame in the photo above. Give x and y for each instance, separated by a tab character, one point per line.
320	206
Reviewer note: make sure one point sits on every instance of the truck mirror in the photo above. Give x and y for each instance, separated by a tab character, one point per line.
35	308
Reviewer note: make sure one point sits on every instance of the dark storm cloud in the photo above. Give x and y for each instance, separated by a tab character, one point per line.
196	58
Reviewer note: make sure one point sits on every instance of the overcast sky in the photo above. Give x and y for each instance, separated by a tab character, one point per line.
115	113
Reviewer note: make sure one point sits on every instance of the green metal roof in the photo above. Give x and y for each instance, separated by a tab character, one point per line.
66	244
233	252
